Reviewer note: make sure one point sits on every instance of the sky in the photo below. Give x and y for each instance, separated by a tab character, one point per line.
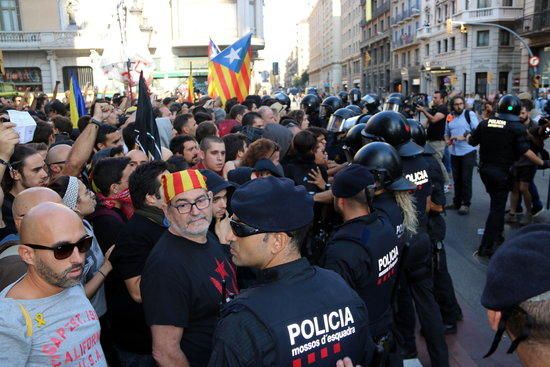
280	19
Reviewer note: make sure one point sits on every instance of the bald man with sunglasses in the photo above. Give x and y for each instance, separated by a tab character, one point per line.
45	317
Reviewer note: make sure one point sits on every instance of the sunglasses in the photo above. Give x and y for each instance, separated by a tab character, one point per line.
63	250
241	229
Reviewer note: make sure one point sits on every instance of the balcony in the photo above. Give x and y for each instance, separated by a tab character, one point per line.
536	23
423	33
494	14
379	10
404	41
49	40
374	39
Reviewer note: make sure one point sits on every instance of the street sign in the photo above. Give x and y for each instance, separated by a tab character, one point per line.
534	61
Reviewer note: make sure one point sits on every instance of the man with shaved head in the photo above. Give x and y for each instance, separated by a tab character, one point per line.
56	159
11	265
137	157
45	317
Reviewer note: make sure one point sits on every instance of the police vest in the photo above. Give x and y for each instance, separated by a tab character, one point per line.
381	244
385	207
312	322
497	142
415	169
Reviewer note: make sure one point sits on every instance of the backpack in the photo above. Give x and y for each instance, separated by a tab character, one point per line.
468	118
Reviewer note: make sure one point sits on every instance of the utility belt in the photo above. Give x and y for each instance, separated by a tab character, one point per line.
384	346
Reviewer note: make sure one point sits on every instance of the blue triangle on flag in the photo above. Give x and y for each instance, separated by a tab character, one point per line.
233	56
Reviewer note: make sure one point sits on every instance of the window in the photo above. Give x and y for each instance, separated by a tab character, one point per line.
446	11
375	30
382	25
482	38
382	53
504	38
344	70
483	4
481	84
417	56
453	7
464	79
24	77
465	40
438	47
453	43
507	3
427	50
467	5
396	60
84	74
409	58
439	14
445	45
375	55
503	82
9	16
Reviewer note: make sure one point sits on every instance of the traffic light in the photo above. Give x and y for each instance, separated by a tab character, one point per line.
463	28
449	24
537	81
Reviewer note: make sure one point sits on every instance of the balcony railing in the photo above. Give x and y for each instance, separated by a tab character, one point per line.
404	40
494	14
536	22
381	9
48	40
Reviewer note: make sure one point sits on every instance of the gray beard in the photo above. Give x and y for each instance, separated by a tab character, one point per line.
58	280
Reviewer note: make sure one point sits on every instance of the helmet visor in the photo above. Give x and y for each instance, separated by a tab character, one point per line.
324	111
391	106
335	123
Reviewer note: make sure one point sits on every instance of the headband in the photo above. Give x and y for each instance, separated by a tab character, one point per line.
71	195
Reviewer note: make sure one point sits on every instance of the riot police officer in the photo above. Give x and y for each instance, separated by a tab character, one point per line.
364	249
370	103
343	95
443	284
310	104
297	314
417	282
354	96
329	106
502	140
283	99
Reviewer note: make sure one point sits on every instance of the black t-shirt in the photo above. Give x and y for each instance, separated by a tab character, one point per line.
7	216
436	130
181	285
134	244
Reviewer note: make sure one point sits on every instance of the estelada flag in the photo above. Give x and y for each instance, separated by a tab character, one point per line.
148	137
232	70
190	85
77	105
213	50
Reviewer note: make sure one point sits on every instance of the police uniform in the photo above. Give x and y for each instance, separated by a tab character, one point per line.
501	142
417	282
297	314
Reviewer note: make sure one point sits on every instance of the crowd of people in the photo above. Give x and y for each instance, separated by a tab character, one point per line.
265	235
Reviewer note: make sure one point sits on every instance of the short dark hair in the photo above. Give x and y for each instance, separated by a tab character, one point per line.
103	131
527	104
299	236
202	116
17	162
63	124
233	144
177	143
143	181
452	101
289	121
304	143
317	131
108	171
441	92
199	109
57	107
42	133
249	103
208	141
176	163
166	101
83	122
236	110
230	103
180	121
205	129
129	135
249	117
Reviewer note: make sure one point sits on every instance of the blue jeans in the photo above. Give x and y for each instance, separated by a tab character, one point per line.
129	359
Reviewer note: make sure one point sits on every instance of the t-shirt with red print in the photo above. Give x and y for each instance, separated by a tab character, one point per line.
182	285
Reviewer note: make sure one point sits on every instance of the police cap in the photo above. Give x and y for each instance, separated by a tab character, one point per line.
351	181
273	204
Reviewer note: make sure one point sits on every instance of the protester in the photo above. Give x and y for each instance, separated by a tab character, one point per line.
206	129
56	159
212	154
235	148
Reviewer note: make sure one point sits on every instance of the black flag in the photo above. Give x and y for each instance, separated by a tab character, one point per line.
148	138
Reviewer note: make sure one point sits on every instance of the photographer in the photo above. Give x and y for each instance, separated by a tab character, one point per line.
436	117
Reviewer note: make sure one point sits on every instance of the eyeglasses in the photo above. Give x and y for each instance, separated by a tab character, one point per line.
241	229
63	250
201	203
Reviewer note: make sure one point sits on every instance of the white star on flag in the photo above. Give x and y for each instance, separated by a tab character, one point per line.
233	55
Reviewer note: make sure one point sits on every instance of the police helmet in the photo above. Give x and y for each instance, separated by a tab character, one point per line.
343	96
371	102
283	99
310	104
265	98
337	119
329	106
354	96
384	163
312	90
353	140
418	135
392	128
393	104
509	107
397	95
355	109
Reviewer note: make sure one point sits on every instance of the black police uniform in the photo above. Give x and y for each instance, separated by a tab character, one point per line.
443	284
501	143
297	315
365	252
386	207
417	282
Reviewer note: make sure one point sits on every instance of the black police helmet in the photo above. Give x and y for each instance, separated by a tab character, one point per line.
312	90
418	135
509	107
355	109
397	95
310	104
337	119
265	99
393	104
392	128
330	105
343	96
371	102
353	140
384	163
283	99
354	96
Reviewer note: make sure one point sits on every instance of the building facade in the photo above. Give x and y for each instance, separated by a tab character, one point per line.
405	46
47	40
351	39
375	46
483	60
325	48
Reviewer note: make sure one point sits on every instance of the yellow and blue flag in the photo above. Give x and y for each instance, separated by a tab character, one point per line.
77	106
